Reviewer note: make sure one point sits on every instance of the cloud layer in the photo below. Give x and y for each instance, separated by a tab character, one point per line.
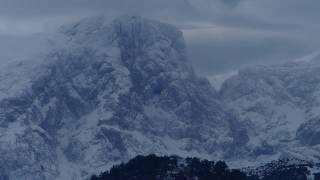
222	35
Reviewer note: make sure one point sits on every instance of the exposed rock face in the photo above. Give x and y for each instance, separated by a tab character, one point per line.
113	92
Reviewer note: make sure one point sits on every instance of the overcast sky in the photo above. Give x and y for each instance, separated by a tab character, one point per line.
222	35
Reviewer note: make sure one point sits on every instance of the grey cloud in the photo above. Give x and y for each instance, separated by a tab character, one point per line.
231	3
214	52
35	8
250	31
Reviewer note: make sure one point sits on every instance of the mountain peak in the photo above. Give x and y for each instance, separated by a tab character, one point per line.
122	88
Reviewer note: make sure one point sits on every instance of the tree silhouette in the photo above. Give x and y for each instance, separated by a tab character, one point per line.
171	168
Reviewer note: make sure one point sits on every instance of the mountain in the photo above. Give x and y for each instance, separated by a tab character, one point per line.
279	106
109	93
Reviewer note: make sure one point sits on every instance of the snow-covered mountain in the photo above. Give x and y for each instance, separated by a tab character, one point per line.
280	106
111	92
114	91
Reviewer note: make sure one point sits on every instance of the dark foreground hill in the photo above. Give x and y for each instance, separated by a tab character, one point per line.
153	167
